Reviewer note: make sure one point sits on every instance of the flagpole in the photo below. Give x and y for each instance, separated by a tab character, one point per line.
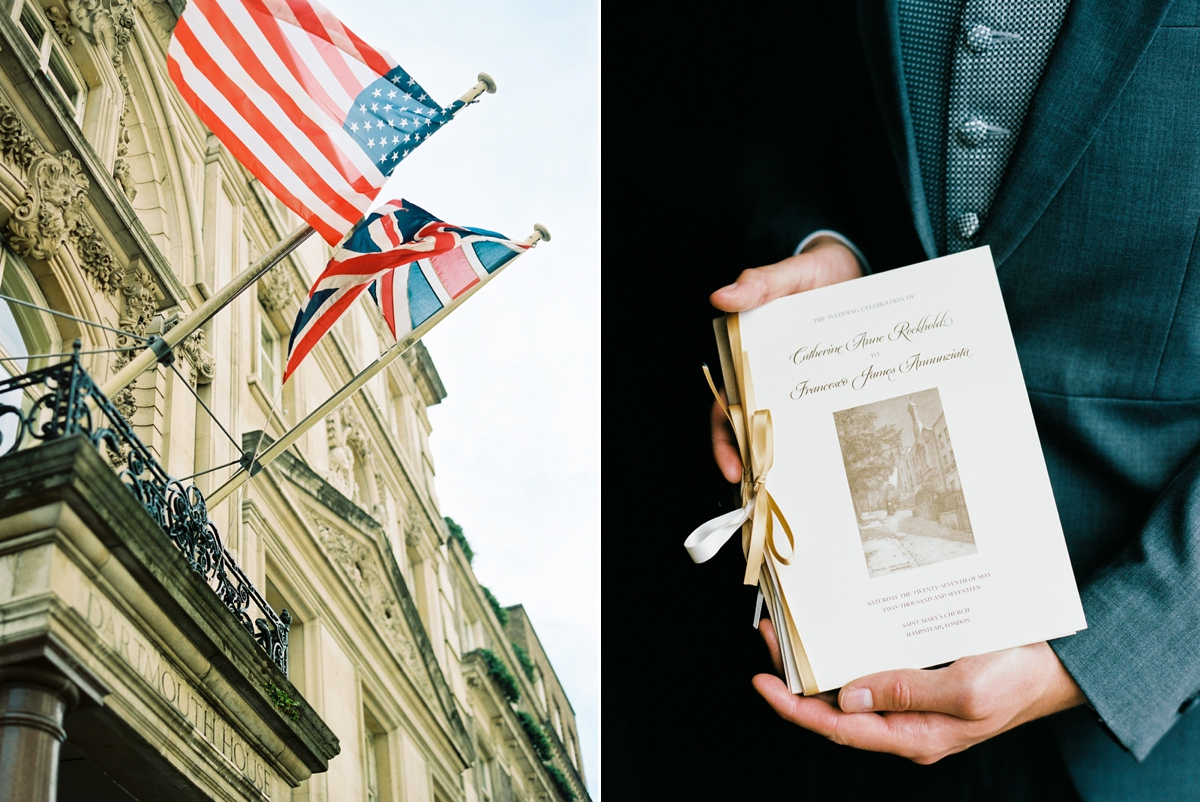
233	289
205	311
242	475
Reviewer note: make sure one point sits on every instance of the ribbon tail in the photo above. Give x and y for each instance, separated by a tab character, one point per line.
708	538
787	530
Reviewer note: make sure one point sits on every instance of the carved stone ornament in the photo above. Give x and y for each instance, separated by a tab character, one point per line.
16	143
137	286
341	462
124	176
413	530
161	18
62	26
194	349
96	258
361	568
106	22
52	207
355	433
276	290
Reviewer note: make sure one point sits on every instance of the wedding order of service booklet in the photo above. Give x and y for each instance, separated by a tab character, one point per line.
896	487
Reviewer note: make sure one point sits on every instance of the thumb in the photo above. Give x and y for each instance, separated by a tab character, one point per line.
938	691
827	263
757	286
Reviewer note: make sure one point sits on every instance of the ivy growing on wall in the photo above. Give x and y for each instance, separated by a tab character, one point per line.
499	672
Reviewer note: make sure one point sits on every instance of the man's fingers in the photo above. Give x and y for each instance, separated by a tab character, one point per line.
922	737
864	731
942	691
725	449
767	630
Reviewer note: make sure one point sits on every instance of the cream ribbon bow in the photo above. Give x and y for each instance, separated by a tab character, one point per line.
759	509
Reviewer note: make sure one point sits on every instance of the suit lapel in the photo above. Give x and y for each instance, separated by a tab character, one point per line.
879	27
1098	48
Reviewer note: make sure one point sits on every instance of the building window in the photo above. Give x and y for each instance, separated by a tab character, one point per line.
296	641
268	353
23	331
52	59
376	766
541	689
486	780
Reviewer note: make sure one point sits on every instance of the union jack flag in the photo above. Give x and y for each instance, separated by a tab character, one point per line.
316	114
416	267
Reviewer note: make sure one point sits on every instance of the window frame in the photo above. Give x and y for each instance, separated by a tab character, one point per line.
49	49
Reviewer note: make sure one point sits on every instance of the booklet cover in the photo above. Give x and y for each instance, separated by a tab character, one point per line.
907	466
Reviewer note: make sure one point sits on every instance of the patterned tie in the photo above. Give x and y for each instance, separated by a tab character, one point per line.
971	68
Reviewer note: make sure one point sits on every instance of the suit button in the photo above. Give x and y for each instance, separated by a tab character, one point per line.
968	224
973	132
1189	703
979	38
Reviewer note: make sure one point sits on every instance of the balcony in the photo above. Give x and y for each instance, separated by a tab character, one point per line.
125	625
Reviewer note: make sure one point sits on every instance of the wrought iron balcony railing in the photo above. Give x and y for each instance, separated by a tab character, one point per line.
62	400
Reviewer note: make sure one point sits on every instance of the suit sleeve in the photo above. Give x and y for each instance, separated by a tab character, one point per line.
1138	662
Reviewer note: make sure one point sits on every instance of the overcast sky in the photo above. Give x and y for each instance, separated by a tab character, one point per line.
516	442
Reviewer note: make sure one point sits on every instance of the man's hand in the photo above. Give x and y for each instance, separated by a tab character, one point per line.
826	261
927	715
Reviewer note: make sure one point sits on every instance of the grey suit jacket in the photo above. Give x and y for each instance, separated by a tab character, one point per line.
1096	235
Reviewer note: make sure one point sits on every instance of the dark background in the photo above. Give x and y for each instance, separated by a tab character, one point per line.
728	136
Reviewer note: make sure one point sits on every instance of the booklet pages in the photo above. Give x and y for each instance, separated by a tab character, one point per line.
907	464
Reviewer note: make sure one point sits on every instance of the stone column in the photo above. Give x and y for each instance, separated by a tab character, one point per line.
33	702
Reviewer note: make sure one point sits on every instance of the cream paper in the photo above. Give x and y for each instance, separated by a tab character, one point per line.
950	544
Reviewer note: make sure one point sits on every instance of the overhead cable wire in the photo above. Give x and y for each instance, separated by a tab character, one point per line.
210	470
221	426
12	300
68	353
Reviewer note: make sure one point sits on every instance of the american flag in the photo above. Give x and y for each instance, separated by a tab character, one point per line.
316	114
415	265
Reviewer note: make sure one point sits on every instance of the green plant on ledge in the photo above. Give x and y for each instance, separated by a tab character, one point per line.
536	735
560	782
526	662
285	704
499	672
456	533
501	613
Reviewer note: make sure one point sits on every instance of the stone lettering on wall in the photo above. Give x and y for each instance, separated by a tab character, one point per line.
160	674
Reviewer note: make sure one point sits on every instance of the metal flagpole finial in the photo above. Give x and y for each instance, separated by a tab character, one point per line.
485	84
540	234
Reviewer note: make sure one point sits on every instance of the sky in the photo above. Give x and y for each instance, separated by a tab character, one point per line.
516	442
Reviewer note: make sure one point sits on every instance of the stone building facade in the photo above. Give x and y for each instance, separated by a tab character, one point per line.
144	662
